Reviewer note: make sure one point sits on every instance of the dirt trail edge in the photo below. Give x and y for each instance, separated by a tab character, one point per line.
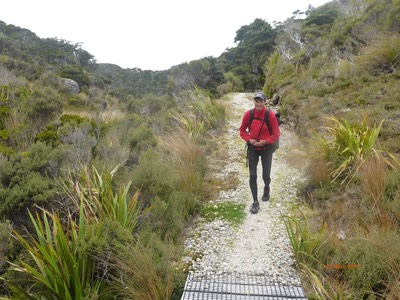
260	245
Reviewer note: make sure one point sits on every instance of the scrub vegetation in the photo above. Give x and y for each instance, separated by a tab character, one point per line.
97	185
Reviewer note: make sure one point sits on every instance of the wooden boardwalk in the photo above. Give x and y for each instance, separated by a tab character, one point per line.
238	286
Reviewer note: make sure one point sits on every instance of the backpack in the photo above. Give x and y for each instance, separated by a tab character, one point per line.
275	145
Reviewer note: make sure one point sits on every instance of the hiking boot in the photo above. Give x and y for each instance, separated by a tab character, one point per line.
265	197
255	207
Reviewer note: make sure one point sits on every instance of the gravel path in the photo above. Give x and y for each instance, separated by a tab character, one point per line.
260	245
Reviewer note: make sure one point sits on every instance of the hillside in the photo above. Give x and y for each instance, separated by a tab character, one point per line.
120	160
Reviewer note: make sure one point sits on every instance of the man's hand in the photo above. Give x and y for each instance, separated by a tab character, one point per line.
253	142
261	143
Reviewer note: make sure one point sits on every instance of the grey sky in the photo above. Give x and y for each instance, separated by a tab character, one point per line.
147	34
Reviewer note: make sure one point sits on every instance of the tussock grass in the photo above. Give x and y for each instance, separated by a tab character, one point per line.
307	246
373	177
383	55
187	158
200	114
139	278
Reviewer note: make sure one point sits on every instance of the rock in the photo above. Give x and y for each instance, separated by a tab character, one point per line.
70	86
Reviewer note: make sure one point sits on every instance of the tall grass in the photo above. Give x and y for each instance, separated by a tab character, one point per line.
194	126
373	176
200	114
187	158
139	278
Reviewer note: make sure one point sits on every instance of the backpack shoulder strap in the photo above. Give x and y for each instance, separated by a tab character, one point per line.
251	116
266	118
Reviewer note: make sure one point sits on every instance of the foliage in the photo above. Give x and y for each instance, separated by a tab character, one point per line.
200	114
305	245
140	138
139	277
6	242
323	15
59	269
93	193
203	73
48	136
255	42
26	180
341	60
383	55
347	146
75	73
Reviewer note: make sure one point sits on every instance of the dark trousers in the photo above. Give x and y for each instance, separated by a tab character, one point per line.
266	161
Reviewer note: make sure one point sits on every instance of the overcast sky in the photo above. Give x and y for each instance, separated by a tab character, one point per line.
147	34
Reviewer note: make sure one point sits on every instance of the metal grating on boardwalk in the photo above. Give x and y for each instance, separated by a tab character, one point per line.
238	286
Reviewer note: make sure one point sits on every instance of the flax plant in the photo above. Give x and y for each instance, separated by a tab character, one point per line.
305	244
59	270
94	192
347	146
305	247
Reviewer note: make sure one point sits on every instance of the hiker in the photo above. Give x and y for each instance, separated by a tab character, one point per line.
260	137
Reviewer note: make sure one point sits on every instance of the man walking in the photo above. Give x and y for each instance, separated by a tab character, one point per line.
260	137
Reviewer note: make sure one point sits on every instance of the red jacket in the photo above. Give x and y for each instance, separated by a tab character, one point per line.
247	133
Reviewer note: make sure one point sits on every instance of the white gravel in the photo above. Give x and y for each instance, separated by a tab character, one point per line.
260	245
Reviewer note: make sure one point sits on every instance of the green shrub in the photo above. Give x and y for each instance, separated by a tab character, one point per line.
49	136
170	193
75	73
31	189
154	176
76	120
6	151
26	180
41	105
4	134
140	138
4	113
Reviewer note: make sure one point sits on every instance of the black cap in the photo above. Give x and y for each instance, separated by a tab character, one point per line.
260	95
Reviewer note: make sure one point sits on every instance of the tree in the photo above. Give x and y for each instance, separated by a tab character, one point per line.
255	43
